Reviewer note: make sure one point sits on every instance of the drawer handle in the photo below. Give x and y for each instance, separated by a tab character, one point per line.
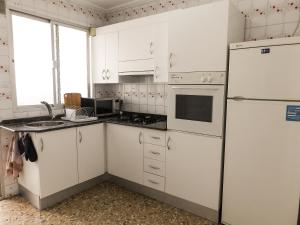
154	167
153	182
155	138
155	153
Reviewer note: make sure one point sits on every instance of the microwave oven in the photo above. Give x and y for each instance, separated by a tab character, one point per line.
102	106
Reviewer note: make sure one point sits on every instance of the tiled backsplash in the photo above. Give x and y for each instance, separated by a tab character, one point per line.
265	18
137	97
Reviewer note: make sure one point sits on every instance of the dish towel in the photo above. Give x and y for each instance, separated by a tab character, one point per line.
14	162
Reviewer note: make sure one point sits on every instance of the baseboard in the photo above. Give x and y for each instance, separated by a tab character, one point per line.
191	207
51	200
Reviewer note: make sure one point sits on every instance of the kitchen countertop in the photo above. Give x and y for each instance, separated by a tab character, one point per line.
19	125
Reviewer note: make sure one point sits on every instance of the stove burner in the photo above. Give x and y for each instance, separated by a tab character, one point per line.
143	119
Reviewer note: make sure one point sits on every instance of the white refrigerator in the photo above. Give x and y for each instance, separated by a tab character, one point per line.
262	146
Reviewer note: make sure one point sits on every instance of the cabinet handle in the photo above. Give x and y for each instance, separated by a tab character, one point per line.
103	77
155	138
80	137
41	144
154	153
154	167
170	59
107	72
151	47
153	182
168	143
140	136
155	72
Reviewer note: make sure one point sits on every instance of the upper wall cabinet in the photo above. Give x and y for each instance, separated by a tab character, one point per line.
199	36
143	50
105	57
136	43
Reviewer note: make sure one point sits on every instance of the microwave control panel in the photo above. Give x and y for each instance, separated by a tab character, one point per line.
198	78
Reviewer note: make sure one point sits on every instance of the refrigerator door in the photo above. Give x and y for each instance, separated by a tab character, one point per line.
265	73
262	164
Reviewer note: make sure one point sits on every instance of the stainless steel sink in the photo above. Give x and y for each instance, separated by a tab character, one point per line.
45	124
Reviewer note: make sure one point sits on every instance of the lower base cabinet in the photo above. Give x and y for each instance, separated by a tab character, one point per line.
56	168
125	152
193	168
91	151
65	158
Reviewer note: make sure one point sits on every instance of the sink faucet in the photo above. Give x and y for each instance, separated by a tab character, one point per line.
49	109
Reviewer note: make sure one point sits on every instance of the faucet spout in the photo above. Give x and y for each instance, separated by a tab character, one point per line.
48	106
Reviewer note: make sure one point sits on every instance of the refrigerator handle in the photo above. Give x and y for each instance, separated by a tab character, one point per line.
298	223
238	98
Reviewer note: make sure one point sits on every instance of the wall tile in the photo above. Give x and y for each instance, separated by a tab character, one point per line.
259	14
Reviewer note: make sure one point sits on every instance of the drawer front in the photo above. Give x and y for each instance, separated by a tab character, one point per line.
155	137
154	152
154	181
154	167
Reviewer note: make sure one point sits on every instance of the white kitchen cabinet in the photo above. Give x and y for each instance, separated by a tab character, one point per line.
56	168
125	152
136	43
199	36
105	57
90	147
98	59
160	46
66	157
193	168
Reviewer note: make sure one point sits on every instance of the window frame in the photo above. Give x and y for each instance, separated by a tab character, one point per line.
54	24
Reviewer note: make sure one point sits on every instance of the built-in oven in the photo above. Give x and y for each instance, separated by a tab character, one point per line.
197	108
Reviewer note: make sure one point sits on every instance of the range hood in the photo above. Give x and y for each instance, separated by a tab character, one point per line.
141	67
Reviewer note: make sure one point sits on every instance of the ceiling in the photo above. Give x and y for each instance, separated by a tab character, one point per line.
110	4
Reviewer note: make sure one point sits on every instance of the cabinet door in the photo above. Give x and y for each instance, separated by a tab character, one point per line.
90	146
57	160
136	43
125	152
160	51
193	169
98	58
198	38
112	48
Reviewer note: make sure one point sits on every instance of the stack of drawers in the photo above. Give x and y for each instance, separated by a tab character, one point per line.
154	159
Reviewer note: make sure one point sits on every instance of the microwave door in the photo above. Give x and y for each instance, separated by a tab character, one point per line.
104	107
196	108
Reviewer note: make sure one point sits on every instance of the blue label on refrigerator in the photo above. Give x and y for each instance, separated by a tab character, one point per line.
293	113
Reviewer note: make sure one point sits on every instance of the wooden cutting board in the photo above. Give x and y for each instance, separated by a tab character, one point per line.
72	100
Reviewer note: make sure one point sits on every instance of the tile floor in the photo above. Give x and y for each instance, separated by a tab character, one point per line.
106	204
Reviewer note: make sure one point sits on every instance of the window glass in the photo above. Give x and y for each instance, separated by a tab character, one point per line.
33	60
73	61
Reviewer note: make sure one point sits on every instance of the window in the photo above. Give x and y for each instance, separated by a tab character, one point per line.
50	60
73	60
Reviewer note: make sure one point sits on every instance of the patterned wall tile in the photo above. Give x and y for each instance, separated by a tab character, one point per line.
264	18
138	97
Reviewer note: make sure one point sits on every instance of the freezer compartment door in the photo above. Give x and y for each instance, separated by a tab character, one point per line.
262	165
265	73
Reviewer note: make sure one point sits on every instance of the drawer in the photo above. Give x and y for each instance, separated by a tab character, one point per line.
155	137
154	181
154	152
154	167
